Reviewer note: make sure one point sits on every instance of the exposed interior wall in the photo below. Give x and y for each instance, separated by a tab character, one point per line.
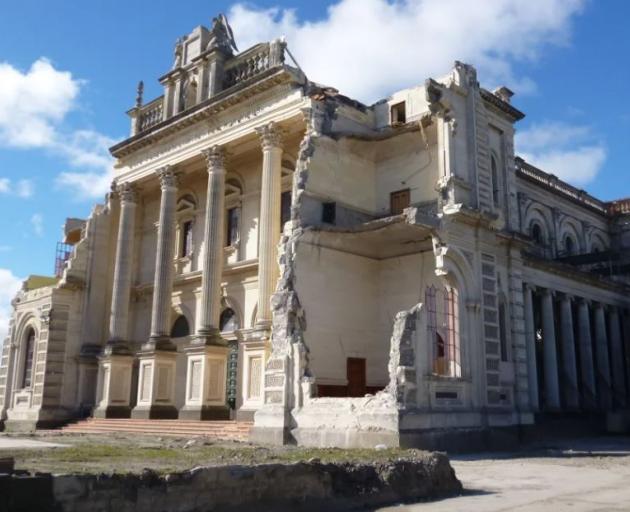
351	302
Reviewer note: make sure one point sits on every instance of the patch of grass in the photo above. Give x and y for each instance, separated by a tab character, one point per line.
121	453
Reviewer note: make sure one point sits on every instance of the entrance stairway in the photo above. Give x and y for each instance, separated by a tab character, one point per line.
220	430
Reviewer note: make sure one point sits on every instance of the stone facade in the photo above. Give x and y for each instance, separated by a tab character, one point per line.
342	274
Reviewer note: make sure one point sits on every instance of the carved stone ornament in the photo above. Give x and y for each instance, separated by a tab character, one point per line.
270	136
167	176
215	158
127	192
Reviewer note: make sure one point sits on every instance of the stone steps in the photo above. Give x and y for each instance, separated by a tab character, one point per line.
224	430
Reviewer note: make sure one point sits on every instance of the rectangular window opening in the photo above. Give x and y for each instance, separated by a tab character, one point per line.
187	233
398	113
285	209
329	213
233	217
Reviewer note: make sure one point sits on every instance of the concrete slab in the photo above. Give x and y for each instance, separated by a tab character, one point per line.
19	443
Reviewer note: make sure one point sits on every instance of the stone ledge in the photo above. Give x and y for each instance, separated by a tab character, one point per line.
303	486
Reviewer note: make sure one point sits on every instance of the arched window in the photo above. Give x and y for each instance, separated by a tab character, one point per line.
180	327
569	245
228	321
495	180
537	233
29	349
442	306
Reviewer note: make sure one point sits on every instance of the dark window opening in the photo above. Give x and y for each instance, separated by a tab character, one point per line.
569	246
285	209
329	213
228	321
187	238
29	349
503	332
398	113
495	180
180	327
537	234
233	218
399	200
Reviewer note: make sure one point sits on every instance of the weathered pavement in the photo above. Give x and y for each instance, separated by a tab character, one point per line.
583	476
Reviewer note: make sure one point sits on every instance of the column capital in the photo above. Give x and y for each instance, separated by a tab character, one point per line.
215	158
127	192
567	297
529	287
270	136
167	176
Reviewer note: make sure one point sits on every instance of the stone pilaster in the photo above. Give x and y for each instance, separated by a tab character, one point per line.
269	223
156	379
585	345
570	390
604	385
115	363
208	352
530	334
618	363
552	388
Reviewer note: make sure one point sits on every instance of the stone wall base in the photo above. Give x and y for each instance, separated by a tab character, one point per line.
221	412
112	411
155	412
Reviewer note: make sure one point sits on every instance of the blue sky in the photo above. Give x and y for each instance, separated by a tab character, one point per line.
69	69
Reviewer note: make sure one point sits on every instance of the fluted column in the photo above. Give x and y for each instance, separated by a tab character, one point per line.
116	361
210	306
571	392
585	344
552	390
604	385
269	222
121	291
165	251
206	365
530	334
618	363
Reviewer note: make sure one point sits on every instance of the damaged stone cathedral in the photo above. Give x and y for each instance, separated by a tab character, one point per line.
336	274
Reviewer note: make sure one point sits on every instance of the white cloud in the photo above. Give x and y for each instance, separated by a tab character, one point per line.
9	285
369	48
571	152
22	188
33	107
37	222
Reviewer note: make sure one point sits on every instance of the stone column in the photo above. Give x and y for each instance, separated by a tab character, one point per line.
604	385
208	352
571	392
269	221
210	307
530	335
618	363
552	389
156	378
115	363
587	371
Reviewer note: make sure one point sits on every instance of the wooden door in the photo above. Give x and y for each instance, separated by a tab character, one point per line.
399	200
356	376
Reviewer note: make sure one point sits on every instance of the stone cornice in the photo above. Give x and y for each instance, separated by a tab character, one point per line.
503	106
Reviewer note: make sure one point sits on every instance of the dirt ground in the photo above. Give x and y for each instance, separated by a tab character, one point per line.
580	476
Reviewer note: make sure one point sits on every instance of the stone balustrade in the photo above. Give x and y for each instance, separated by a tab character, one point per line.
150	114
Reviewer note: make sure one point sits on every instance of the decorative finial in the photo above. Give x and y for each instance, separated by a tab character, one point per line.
140	92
